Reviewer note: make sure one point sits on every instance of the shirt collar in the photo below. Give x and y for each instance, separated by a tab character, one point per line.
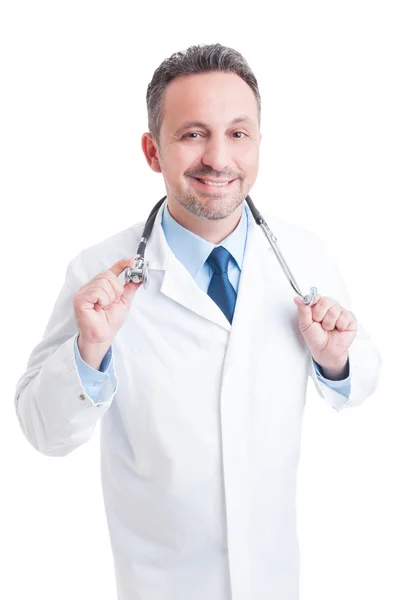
192	250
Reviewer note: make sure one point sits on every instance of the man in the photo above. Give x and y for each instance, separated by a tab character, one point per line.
199	379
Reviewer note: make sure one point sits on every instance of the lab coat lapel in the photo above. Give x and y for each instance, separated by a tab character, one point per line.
259	272
263	290
177	283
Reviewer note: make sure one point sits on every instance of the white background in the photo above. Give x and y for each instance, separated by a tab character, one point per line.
74	78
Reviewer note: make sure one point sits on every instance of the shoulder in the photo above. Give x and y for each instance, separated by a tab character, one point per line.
310	258
101	256
292	234
303	250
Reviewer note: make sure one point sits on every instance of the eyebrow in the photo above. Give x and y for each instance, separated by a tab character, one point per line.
187	124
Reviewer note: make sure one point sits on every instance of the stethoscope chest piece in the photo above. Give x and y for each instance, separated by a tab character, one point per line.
139	271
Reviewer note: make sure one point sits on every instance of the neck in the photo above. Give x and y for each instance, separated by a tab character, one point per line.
214	231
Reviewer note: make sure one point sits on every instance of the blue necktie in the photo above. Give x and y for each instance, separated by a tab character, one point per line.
221	289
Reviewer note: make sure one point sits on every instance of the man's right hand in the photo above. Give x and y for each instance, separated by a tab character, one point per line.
101	307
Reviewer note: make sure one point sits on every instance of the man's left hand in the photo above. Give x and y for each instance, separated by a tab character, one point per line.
328	330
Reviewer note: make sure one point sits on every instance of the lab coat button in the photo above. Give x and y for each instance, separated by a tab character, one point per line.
82	397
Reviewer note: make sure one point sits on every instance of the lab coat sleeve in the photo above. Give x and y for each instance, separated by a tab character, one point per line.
55	412
364	358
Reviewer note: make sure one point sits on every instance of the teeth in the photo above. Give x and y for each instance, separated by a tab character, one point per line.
213	183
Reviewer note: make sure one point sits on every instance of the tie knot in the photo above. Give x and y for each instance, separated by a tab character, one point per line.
219	259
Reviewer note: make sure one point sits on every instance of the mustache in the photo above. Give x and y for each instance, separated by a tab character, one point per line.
213	175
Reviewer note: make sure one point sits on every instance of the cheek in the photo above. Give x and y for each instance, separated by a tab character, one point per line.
248	161
250	171
180	160
251	160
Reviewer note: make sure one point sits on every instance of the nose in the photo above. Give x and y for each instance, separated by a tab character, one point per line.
217	154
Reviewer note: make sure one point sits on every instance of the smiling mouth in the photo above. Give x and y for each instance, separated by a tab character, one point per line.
214	184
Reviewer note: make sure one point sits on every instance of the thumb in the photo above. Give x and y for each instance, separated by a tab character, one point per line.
129	290
304	313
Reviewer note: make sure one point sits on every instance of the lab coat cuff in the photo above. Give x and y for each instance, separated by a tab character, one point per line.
55	411
365	363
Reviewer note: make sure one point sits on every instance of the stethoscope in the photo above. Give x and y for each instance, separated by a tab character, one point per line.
139	270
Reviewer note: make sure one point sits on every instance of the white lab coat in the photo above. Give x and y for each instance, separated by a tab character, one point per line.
201	440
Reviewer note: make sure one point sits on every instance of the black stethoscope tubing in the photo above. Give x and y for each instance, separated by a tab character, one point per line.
139	271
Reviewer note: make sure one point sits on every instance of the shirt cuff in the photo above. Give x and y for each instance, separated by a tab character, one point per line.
93	380
343	386
104	366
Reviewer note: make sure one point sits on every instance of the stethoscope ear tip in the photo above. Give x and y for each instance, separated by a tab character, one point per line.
310	298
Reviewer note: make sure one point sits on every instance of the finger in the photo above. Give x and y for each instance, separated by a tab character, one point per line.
109	296
316	299
107	286
115	283
102	282
111	274
331	317
352	323
321	307
120	265
343	321
96	295
112	283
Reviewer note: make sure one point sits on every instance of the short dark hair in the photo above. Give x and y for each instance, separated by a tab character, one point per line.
202	58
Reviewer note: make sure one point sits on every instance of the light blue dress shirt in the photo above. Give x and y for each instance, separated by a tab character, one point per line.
192	251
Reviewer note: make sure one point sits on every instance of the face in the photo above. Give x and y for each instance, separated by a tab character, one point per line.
209	133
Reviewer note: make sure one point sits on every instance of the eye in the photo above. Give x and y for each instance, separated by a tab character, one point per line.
187	135
191	133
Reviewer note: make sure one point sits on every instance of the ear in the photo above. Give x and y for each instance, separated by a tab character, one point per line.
150	149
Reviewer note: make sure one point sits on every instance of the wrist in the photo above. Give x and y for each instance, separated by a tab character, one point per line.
335	370
92	353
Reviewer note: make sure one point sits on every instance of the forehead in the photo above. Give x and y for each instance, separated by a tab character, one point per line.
208	97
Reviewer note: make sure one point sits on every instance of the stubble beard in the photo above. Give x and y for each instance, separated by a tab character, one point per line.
219	207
